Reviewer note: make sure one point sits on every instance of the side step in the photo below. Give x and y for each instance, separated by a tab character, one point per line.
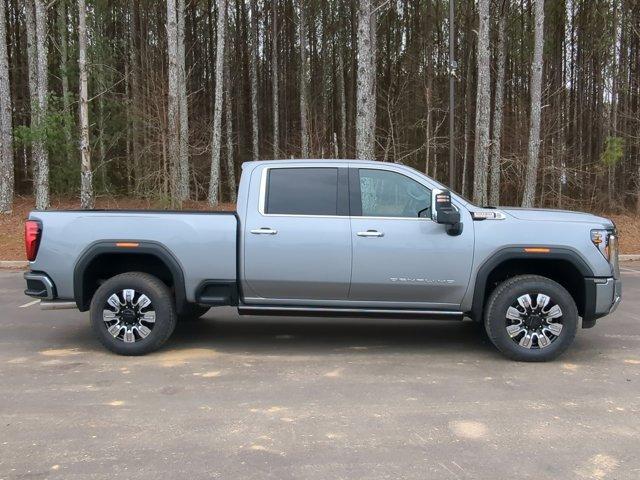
277	310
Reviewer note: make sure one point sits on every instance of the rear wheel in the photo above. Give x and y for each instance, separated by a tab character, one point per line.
133	313
531	318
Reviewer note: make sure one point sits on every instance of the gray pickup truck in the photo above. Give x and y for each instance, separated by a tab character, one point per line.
339	238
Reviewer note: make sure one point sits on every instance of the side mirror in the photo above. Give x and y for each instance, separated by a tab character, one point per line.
443	211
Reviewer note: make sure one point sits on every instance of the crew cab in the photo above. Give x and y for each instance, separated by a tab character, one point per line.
331	237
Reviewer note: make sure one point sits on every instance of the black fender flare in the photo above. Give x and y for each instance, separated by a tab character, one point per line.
519	253
147	247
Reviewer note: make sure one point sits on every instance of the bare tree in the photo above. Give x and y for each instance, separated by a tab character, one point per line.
6	141
183	187
134	102
483	107
214	183
253	73
468	105
274	80
494	197
36	21
228	120
366	82
304	81
531	177
173	101
86	181
64	67
342	99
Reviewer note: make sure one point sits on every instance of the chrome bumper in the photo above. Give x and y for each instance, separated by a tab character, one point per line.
608	296
617	296
39	285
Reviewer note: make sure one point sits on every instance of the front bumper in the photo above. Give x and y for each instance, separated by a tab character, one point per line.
603	296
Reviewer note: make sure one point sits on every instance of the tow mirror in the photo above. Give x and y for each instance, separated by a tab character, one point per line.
443	211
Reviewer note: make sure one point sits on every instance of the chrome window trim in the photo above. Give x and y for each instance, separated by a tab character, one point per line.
262	196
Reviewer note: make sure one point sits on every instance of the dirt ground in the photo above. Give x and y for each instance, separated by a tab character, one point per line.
12	226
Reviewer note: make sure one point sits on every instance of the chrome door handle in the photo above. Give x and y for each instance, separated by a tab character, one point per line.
264	231
370	233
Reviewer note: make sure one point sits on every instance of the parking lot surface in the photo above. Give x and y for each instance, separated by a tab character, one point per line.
269	398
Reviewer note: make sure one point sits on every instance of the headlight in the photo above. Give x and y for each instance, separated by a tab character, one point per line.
600	239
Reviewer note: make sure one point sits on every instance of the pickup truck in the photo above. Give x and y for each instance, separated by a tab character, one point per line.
331	237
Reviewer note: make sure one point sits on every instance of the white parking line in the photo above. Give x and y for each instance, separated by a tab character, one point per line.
28	304
629	270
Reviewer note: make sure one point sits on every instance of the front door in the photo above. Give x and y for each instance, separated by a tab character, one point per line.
400	256
297	240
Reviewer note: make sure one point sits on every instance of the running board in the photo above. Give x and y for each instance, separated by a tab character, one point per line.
276	310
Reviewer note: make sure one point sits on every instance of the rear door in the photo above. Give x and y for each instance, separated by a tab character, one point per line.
400	256
297	236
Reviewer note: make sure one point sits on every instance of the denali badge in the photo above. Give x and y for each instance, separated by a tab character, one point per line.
422	280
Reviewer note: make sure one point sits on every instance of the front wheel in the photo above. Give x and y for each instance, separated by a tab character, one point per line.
531	318
133	313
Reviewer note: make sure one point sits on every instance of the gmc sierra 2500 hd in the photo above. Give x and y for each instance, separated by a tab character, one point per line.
343	238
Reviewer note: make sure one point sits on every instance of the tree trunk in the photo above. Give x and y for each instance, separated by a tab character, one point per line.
231	168
366	83
173	103
32	65
494	198
37	32
253	73
86	183
64	71
274	81
483	107
183	187
531	176
134	101
304	82
6	139
214	183
467	123
343	105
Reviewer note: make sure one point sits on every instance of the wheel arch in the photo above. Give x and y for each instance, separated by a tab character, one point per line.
117	257
563	265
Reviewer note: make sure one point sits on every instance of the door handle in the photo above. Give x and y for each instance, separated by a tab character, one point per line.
370	233
264	231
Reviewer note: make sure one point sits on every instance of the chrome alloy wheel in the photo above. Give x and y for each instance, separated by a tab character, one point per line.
129	316
534	321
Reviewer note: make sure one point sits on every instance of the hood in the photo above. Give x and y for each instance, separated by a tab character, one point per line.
550	215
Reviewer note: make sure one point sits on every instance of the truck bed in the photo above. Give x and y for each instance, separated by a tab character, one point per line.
203	243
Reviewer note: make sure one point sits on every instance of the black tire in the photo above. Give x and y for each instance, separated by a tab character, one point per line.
192	312
161	303
506	294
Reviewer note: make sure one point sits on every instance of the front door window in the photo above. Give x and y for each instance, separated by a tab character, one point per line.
390	194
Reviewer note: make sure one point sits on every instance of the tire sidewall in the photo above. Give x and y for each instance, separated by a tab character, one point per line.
503	298
162	303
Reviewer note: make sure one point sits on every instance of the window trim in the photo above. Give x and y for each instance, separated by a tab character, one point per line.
355	198
343	188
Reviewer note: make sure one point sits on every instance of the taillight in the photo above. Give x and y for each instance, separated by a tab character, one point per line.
32	233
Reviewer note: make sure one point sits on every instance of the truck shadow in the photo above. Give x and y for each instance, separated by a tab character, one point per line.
327	335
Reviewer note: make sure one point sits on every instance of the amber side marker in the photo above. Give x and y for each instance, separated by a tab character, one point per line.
537	250
127	244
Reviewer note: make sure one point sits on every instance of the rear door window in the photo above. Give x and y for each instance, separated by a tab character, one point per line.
302	191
